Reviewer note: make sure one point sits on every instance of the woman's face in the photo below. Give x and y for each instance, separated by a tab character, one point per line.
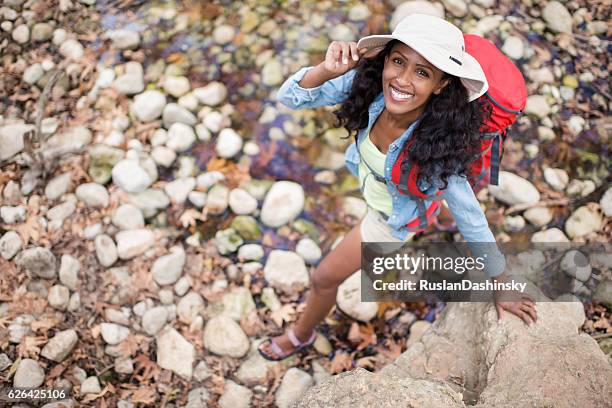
409	80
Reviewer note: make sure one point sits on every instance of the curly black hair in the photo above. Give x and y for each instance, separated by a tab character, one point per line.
447	138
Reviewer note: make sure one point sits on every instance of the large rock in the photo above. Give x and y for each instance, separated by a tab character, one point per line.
175	353
490	358
225	337
286	271
283	203
58	348
514	189
295	383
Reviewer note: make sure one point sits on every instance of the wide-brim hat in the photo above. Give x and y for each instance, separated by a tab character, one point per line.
439	42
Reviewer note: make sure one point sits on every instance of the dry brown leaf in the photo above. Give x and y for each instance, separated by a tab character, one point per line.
362	335
284	314
144	395
342	361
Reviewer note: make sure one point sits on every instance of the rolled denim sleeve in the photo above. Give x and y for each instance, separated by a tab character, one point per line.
331	92
473	225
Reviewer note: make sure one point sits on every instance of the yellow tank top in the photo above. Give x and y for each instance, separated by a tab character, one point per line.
374	192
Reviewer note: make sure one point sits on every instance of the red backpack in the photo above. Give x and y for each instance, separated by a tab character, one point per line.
507	95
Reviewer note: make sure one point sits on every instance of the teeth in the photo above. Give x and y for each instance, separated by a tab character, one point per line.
399	95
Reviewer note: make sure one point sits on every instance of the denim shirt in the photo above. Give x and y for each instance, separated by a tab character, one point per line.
459	196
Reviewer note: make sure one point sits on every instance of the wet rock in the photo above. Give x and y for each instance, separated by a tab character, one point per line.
212	94
106	250
283	203
91	385
62	344
69	271
238	303
557	18
556	178
538	216
113	333
514	189
93	195
58	297
13	215
218	199
229	143
416	6
247	227
134	242
11	139
294	384
235	396
180	137
38	262
124	39
10	245
224	337
128	217
154	319
583	221
72	49
174	113
538	106
29	374
349	301
58	186
167	269
309	250
549	236
606	202
241	202
189	307
227	241
277	265
148	105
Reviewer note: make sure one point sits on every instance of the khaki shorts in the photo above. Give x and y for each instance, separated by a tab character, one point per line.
375	229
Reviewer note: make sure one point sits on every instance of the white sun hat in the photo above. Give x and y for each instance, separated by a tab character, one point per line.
439	42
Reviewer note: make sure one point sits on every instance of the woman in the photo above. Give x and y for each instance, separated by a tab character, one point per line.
413	97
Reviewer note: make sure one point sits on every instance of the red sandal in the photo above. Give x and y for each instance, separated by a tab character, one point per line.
281	355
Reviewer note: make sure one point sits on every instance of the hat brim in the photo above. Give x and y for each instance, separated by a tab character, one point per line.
469	72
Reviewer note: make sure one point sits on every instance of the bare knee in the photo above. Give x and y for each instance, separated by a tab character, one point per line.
322	280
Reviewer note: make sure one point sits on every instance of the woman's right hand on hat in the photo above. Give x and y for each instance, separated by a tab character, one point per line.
341	57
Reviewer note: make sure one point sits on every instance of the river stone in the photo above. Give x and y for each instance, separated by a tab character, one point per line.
349	301
38	261
42	32
241	202
150	201
69	271
174	113
583	221
247	227
557	18
58	297
197	198
58	348
28	374
134	242
538	106
13	215
224	337
132	82
176	86
179	189
272	73
354	206
72	140
457	8
603	293
514	47
72	49
606	202
167	269
538	216
33	73
128	217
556	178
10	245
148	105
552	235
309	250
180	137
217	199
124	39
106	250
154	319
130	176
11	139
113	334
103	158
189	307
224	34
576	265
514	189
175	353
212	94
229	143
277	265
238	303
91	385
250	252
283	203
93	195
415	6
235	396
228	241
295	383
58	186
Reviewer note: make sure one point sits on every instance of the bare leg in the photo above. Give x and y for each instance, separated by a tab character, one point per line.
338	265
